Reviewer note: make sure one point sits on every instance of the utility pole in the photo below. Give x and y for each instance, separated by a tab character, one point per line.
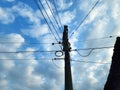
66	49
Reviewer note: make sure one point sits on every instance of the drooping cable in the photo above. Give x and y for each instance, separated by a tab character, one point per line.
94	48
56	64
84	18
84	55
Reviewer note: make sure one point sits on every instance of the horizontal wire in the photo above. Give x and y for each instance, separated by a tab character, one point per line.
34	59
26	51
37	51
6	42
99	38
26	43
51	59
82	61
107	47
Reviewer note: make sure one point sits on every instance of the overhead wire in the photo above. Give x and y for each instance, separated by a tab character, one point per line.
93	62
94	48
46	20
84	18
33	59
26	43
49	19
53	17
98	38
84	55
108	47
51	59
37	51
57	14
56	64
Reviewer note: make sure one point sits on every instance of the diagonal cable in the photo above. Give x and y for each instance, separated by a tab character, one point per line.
49	18
84	18
46	20
53	17
57	14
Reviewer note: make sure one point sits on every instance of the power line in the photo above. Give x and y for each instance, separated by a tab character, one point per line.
57	65
98	38
27	59
51	59
84	55
57	14
45	19
37	51
93	62
49	19
84	18
108	47
53	17
48	59
26	43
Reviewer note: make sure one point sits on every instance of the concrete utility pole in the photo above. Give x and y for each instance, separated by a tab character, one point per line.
66	49
113	80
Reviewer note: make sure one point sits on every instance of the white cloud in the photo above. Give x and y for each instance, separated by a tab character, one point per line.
64	4
11	38
6	16
27	12
36	31
67	17
29	73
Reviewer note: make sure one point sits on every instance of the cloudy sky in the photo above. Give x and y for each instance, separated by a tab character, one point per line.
24	28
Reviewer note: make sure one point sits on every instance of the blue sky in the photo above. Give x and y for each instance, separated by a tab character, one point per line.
22	25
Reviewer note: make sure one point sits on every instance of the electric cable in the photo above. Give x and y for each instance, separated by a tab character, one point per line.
26	43
84	55
94	48
33	59
93	62
112	36
57	14
53	17
84	18
56	64
49	19
46	21
37	51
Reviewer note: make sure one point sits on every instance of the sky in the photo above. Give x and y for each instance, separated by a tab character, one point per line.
24	28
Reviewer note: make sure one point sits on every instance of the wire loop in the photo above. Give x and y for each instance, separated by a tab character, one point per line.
59	53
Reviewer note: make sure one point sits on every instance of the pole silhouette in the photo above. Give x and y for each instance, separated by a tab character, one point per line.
66	49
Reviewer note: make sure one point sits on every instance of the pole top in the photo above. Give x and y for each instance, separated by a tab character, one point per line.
65	26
